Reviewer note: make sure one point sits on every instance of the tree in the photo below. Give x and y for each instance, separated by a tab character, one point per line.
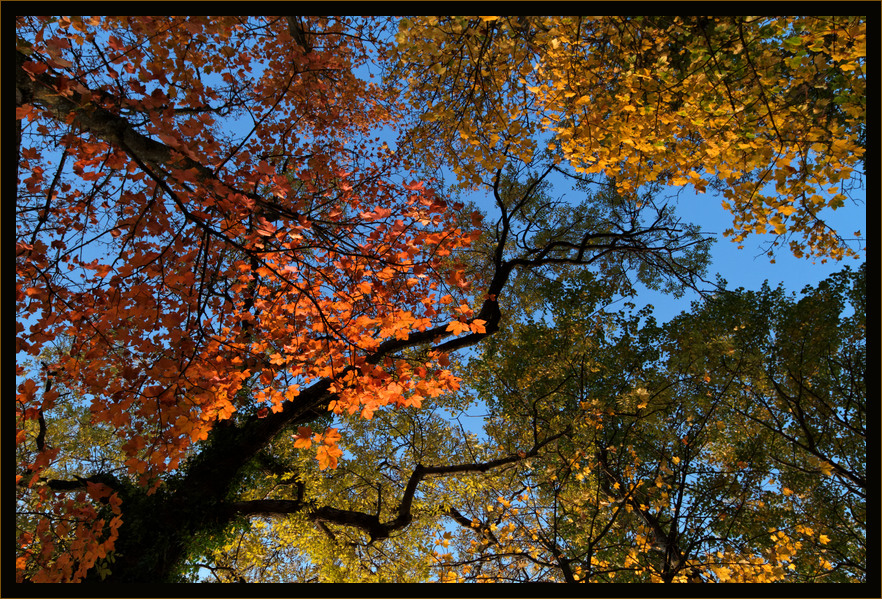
706	449
223	281
194	304
767	110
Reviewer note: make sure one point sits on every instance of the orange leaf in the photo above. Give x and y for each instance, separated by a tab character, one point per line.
477	326
456	327
327	456
303	438
331	436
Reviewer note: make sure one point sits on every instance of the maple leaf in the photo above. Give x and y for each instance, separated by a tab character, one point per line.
331	436
456	278
193	311
303	438
327	456
264	228
477	326
456	327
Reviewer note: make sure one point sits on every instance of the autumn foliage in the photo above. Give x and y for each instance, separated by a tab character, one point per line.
743	105
220	263
194	278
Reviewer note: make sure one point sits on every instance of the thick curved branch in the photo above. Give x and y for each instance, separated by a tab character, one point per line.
232	444
86	115
78	108
370	523
79	483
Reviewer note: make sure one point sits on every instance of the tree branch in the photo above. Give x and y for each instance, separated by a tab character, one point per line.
370	523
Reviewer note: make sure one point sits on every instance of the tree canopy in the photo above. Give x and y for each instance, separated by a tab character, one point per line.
255	300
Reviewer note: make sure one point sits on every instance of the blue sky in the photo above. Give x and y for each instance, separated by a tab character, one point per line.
748	267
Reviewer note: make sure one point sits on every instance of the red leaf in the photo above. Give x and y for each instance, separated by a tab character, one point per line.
34	68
